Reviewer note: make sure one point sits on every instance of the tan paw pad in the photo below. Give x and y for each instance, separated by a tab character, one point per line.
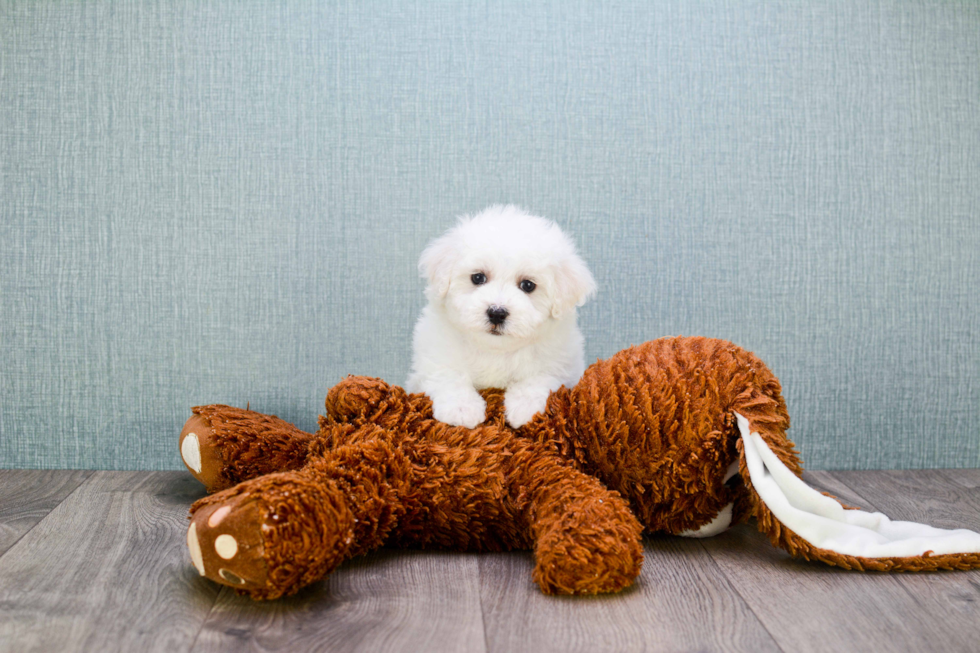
231	577
195	548
226	546
190	451
218	515
201	455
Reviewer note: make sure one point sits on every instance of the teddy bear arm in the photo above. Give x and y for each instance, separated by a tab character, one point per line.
222	445
586	540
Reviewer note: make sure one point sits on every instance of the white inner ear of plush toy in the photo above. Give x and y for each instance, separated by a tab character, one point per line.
824	523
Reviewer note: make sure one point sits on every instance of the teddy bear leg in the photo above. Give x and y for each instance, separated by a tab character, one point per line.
275	534
222	446
272	535
586	538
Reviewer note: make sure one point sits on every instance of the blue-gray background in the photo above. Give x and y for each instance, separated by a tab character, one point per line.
225	201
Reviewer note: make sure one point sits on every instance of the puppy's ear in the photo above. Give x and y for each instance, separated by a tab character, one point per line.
573	285
437	263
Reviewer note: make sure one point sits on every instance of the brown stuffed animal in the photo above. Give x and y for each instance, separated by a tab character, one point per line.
679	435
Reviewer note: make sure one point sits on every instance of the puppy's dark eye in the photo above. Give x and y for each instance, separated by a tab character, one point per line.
527	286
478	279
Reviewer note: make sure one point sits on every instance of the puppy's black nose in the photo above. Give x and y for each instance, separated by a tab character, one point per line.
497	315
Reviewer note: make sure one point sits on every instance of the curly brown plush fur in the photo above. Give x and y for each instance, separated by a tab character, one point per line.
643	442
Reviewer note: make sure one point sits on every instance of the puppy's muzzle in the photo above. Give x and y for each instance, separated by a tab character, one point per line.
497	315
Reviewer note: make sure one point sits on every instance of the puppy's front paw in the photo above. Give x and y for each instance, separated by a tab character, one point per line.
467	410
521	404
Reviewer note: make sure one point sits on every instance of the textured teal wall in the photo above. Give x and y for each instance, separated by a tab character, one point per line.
224	202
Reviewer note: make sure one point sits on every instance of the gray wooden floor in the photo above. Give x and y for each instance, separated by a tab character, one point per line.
96	561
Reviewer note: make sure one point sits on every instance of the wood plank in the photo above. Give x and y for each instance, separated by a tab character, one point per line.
390	600
681	601
107	570
813	607
945	499
969	480
28	495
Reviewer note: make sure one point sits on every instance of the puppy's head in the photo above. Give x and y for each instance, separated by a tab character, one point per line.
503	274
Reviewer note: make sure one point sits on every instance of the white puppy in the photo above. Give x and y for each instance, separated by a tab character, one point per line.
502	289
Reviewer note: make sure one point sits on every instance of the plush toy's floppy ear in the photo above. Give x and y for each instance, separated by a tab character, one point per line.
573	285
806	523
437	263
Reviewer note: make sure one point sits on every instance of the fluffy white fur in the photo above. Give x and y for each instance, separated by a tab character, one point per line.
535	350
